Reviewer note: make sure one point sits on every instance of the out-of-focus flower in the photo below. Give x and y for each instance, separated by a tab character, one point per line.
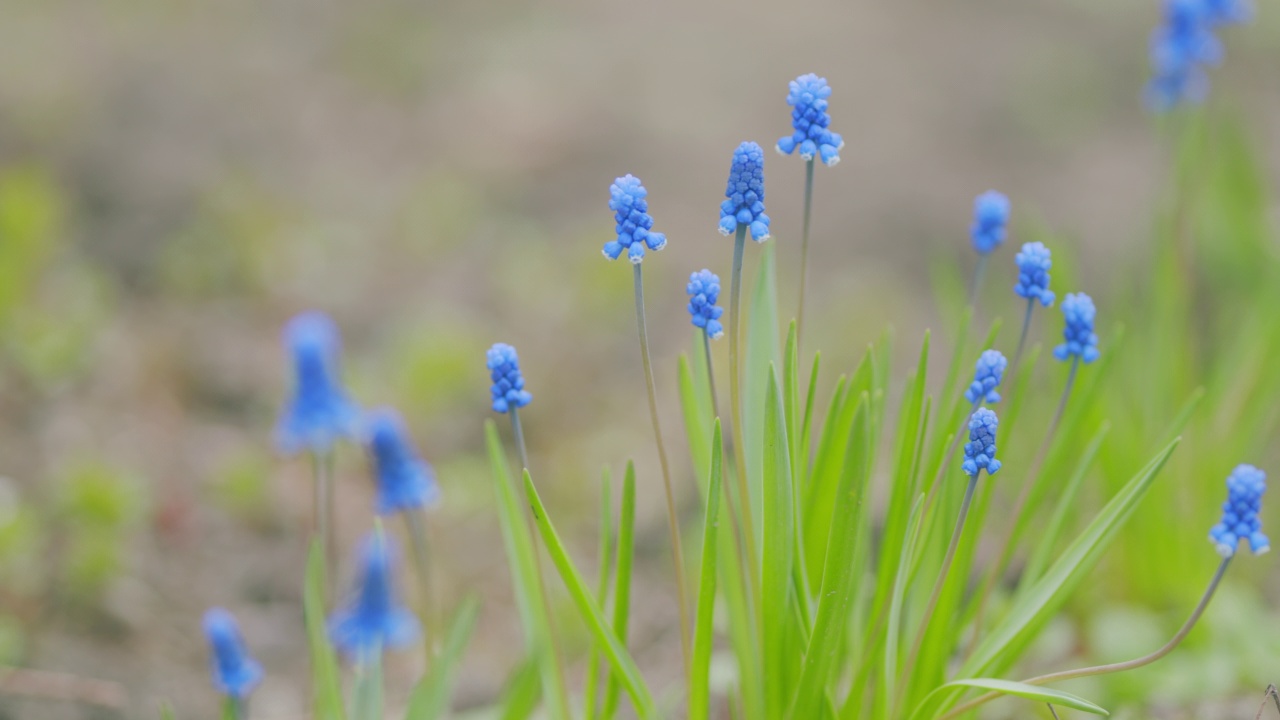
235	674
980	451
807	95
404	480
986	377
318	413
1081	342
373	619
1034	262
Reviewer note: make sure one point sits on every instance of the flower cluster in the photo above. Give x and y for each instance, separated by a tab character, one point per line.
704	291
318	412
980	451
235	673
508	384
807	95
634	224
745	194
1240	521
986	377
990	221
404	480
1081	342
374	619
1034	262
1183	45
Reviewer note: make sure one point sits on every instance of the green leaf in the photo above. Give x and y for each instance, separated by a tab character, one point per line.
894	634
166	712
806	426
229	710
623	666
622	577
1023	690
603	571
762	351
695	405
777	551
367	696
1064	504
520	699
525	577
430	699
324	665
703	632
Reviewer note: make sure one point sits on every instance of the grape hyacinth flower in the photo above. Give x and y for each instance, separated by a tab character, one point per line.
990	221
1228	12
1034	261
318	412
807	95
744	193
986	378
508	384
704	291
404	481
1240	521
1180	49
235	674
634	223
374	619
980	451
1081	342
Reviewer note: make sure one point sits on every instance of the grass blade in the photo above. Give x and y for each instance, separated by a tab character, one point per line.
700	670
1030	692
762	351
778	534
1064	505
605	561
893	635
622	577
324	664
430	700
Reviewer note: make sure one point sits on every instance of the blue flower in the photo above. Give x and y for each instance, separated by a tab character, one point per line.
1240	521
404	480
508	384
990	221
980	451
1228	12
745	194
807	95
1034	262
373	619
704	290
1180	48
986	377
634	223
235	674
318	413
1081	342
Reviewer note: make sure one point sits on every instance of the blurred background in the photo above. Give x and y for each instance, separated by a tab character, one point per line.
177	178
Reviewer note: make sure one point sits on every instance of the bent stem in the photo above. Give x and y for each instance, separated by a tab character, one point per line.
323	509
804	245
1111	667
735	408
938	585
672	520
416	526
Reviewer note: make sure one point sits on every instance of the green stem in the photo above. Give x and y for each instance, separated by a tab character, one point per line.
673	520
946	459
414	522
518	431
978	273
323	511
1022	339
235	709
1112	667
711	375
804	244
368	687
735	407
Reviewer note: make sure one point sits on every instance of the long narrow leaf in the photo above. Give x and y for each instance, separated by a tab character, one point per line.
324	664
776	552
430	700
604	564
700	669
622	577
1030	692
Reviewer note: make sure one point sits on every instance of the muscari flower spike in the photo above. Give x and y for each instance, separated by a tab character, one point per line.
980	451
1228	12
508	384
404	480
373	619
1180	48
990	221
807	95
1081	342
1034	262
1240	521
318	413
704	291
235	674
634	223
745	194
986	377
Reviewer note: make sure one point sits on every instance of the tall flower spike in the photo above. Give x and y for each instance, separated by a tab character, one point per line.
318	412
1240	521
1034	262
807	95
1180	48
634	223
986	377
1228	12
508	384
404	480
980	451
704	291
235	674
1081	342
990	221
373	619
744	203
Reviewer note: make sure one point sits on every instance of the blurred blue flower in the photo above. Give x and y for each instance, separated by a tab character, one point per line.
508	384
990	221
318	413
1081	342
634	224
404	480
373	618
807	95
980	451
1240	521
704	291
986	377
1228	12
1034	262
1180	48
235	674
745	194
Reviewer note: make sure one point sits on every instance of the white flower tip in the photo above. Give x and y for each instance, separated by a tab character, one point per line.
761	240
1262	550
835	160
724	232
636	259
